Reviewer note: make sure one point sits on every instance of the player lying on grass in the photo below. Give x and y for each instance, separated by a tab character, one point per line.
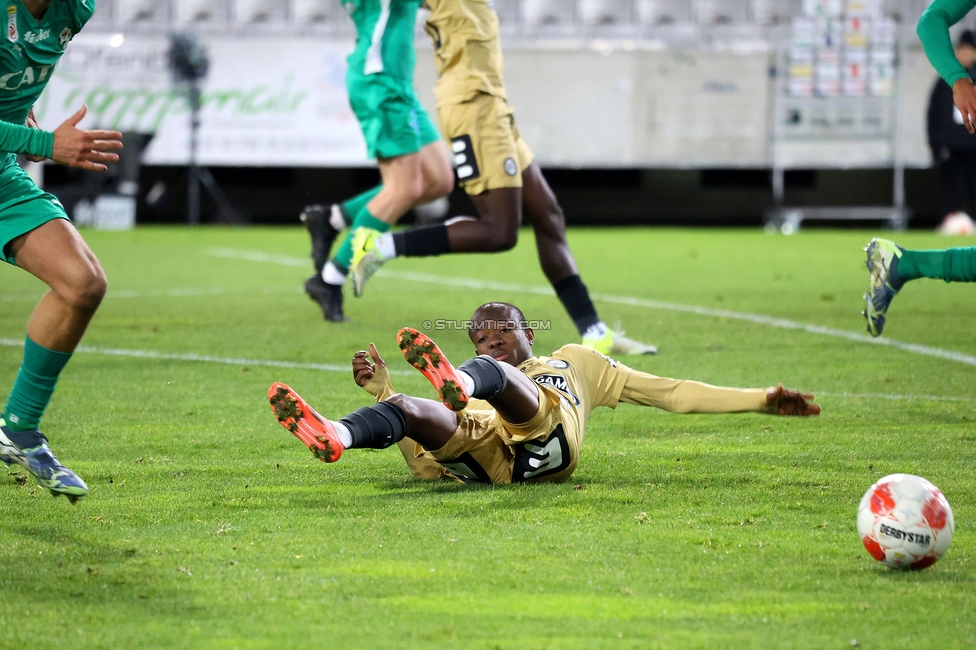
497	170
891	266
511	416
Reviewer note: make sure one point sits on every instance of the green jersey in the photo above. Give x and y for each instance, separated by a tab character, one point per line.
29	50
933	31
384	37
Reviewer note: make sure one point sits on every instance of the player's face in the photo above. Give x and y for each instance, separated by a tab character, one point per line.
500	335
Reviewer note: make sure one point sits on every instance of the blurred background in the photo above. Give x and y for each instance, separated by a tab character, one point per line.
717	112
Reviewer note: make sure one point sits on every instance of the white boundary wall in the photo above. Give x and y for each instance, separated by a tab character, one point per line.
269	102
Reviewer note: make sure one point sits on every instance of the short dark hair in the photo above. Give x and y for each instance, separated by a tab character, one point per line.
967	38
519	316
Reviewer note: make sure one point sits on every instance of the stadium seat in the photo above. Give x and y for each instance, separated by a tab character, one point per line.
721	12
318	12
507	11
595	13
774	12
138	11
258	11
663	12
547	13
201	11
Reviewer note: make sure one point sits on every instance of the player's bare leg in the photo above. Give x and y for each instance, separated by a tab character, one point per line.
511	393
56	254
541	209
371	427
407	181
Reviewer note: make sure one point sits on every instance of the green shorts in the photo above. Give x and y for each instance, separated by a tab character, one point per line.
393	120
23	206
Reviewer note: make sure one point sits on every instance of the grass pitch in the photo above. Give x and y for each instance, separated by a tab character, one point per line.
208	525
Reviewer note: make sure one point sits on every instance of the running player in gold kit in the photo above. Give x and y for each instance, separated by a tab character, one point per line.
495	167
528	416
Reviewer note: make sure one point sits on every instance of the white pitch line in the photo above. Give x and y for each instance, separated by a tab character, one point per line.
473	283
165	356
329	367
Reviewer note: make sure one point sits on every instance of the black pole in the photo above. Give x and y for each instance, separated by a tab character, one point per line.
193	179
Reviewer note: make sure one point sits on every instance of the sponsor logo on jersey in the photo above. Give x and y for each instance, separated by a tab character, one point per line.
65	36
510	167
558	364
38	36
559	383
12	35
26	77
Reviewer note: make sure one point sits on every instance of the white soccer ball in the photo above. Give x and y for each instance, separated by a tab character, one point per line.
957	223
905	522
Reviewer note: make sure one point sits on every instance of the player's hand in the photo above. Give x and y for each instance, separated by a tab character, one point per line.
83	149
364	365
964	97
783	401
32	124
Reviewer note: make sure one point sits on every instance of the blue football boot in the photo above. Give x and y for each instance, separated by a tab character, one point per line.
882	263
40	461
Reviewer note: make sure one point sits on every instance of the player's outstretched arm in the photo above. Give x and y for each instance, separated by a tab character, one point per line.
84	149
370	373
783	401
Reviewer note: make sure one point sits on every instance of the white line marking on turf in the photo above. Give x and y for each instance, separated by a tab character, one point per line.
472	283
329	367
164	356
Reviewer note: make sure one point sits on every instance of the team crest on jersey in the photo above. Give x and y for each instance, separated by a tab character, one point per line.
559	383
65	36
558	364
12	34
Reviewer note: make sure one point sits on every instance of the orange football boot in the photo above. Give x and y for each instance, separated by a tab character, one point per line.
424	355
318	434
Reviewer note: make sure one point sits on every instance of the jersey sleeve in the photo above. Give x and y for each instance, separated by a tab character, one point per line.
81	12
933	31
15	138
684	396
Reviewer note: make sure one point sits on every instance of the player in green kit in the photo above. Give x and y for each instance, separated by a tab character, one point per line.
889	265
414	162
35	233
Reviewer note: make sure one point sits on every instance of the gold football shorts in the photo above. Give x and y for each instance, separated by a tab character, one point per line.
488	151
486	449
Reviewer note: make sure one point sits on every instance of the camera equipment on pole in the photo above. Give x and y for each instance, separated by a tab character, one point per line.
189	65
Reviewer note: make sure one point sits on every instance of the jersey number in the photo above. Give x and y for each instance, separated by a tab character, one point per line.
537	459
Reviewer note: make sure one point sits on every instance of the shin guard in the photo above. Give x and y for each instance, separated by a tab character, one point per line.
377	426
488	375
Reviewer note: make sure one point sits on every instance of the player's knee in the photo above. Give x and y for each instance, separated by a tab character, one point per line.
86	289
502	239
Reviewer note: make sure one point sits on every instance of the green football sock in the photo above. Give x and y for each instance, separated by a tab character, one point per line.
34	386
951	265
352	207
343	258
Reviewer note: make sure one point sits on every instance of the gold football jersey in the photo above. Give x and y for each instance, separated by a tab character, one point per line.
467	49
583	379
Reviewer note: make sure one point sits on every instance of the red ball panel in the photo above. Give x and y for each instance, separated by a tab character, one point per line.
881	501
874	548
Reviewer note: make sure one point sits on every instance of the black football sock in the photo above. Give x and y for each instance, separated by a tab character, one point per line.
422	242
576	299
487	375
377	426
